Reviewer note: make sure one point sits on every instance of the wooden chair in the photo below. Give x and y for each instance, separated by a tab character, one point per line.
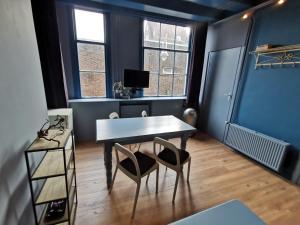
172	158
135	166
114	115
144	114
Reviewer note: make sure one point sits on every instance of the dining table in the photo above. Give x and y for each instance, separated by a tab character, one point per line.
137	130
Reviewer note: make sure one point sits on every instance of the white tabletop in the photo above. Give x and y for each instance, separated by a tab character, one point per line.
230	213
115	129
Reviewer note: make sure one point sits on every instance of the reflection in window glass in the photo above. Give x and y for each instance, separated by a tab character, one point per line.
151	61
182	38
167	36
165	85
166	62
181	63
179	84
153	85
151	34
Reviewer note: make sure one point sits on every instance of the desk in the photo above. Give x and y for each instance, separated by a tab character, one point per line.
137	130
230	213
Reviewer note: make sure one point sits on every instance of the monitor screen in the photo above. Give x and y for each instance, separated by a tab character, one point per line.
136	78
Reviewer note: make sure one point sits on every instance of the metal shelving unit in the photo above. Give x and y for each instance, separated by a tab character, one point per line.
56	174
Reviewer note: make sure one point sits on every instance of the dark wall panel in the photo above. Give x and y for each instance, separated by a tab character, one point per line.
125	44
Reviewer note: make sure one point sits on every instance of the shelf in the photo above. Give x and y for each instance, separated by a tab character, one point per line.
281	49
73	213
65	218
52	164
53	171
41	144
54	189
280	56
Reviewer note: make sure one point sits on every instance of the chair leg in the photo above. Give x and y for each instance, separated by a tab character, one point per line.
114	177
175	189
136	198
157	176
147	178
188	172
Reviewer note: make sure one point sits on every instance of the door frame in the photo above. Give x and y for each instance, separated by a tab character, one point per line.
235	84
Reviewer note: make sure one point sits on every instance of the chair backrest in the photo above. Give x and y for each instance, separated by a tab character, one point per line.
114	115
166	144
129	154
144	113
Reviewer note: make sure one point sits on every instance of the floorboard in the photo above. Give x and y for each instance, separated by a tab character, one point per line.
217	175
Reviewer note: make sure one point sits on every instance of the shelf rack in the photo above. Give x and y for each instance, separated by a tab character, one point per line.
57	172
278	56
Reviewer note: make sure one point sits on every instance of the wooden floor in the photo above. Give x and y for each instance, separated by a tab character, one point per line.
217	175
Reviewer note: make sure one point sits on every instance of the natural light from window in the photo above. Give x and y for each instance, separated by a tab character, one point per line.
89	25
90	38
166	56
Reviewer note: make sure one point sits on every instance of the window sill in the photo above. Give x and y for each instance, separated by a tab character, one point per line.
125	100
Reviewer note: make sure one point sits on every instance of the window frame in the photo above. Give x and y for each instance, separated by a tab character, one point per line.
105	44
159	49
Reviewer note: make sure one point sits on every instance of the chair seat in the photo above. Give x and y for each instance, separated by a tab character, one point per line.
145	163
169	156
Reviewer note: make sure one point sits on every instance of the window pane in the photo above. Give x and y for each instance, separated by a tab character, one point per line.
91	57
182	38
153	85
92	84
165	85
179	84
151	34
151	60
181	63
167	36
166	62
89	26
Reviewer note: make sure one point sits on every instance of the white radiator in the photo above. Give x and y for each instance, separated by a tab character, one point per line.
264	149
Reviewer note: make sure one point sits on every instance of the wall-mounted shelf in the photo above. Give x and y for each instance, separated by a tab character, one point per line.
56	172
278	56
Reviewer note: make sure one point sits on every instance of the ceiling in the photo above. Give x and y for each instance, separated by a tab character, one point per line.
199	10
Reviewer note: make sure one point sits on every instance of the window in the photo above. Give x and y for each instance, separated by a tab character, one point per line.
166	56
90	38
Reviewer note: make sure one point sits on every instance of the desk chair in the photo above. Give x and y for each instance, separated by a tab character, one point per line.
135	166
114	115
173	158
144	114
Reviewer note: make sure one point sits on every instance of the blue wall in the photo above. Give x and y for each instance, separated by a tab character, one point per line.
270	98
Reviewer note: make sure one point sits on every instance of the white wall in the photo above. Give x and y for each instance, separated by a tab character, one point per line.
22	107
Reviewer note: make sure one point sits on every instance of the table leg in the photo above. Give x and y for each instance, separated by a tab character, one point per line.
184	139
108	163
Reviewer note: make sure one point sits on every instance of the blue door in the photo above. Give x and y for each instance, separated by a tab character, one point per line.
219	90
